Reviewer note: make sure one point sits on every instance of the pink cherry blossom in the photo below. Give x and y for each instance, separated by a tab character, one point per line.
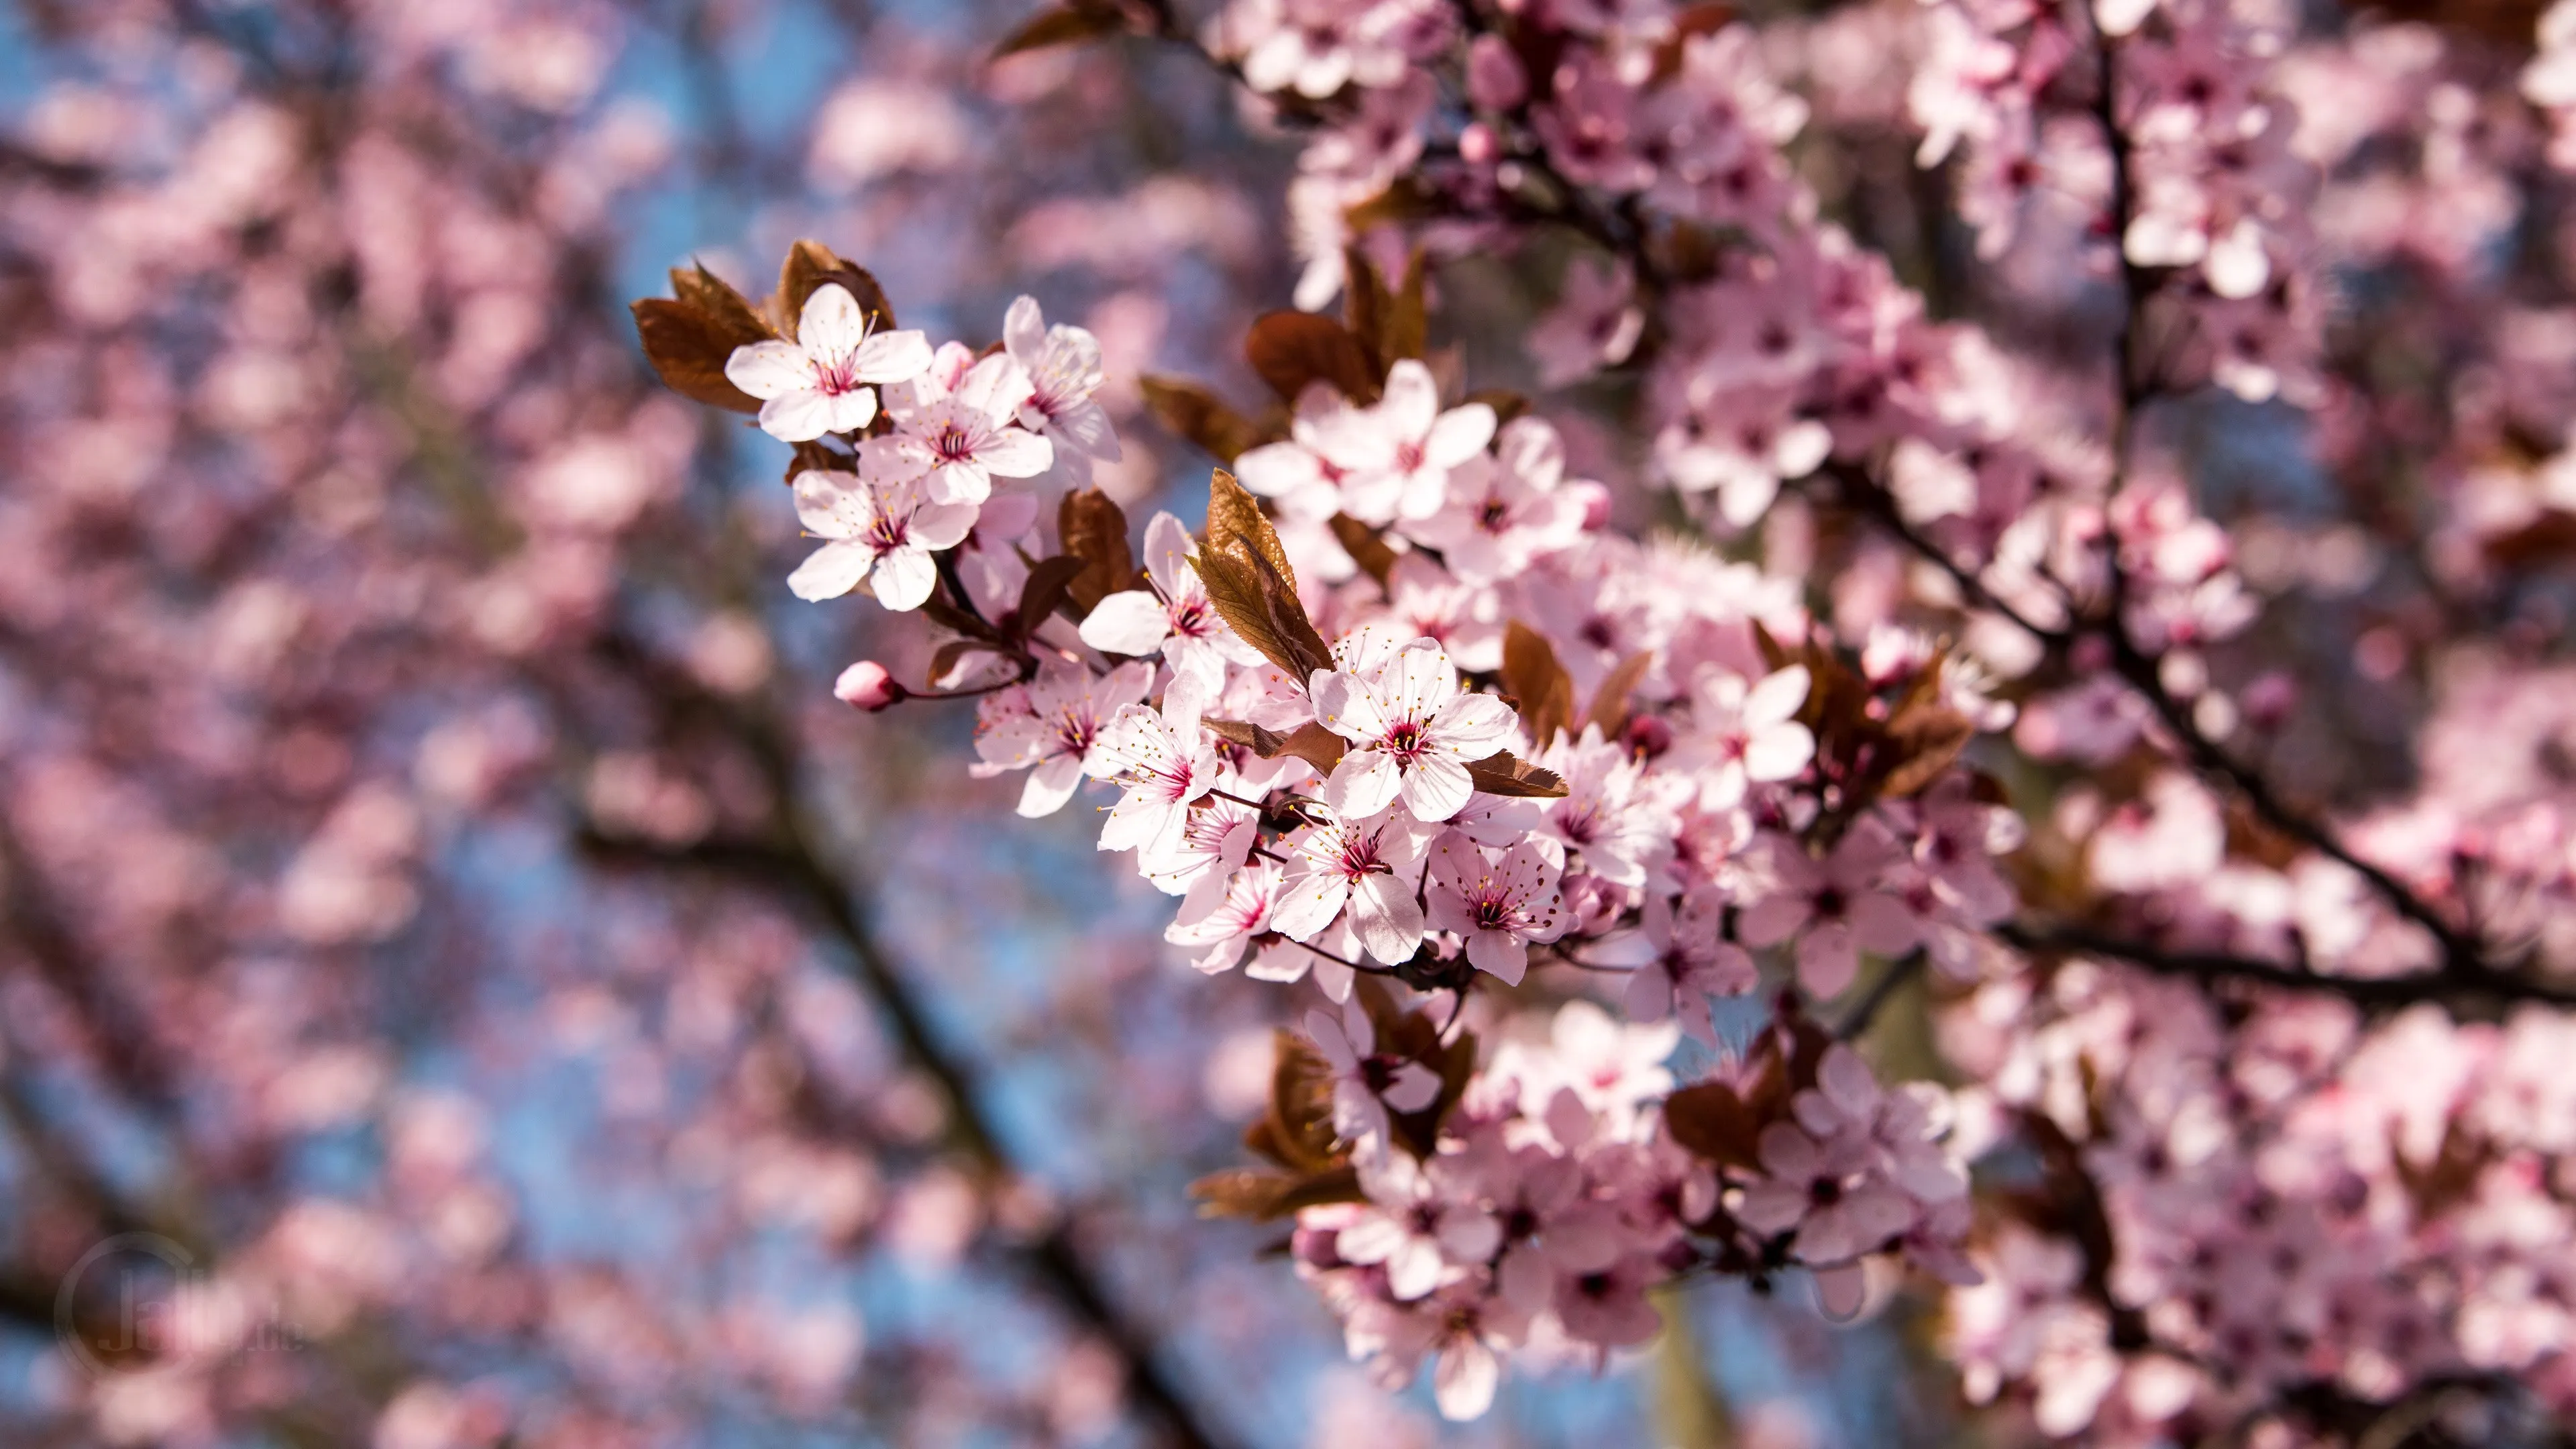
966	434
1163	773
1367	1083
1369	868
1499	906
1836	908
825	381
881	534
1062	364
1173	618
1051	727
1412	732
1395	455
1748	733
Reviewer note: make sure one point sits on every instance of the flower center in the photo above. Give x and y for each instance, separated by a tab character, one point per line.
1406	739
955	443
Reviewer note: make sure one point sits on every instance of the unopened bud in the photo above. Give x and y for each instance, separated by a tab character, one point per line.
866	685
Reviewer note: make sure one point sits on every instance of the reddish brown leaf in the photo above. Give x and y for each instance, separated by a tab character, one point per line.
1715	1124
689	349
1532	675
811	265
1501	774
1065	25
713	295
1293	349
1190	411
1094	529
1310	741
1367	547
1045	589
1610	702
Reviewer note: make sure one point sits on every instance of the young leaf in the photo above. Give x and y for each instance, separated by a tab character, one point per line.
810	265
1250	582
1367	547
1532	675
1065	25
1262	608
1190	411
697	287
688	349
1292	349
1610	702
1094	530
1715	1124
1501	774
1046	588
1236	525
1310	741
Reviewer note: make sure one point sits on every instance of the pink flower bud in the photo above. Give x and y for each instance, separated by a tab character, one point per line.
1478	144
866	685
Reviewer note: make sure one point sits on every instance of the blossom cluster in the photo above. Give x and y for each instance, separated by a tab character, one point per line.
2383	1222
1409	715
1375	808
2212	193
1568	1182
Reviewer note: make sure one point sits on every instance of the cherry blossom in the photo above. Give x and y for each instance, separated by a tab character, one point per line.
1369	868
1052	726
1062	364
881	534
1395	455
1414	735
1173	619
1367	1083
1748	732
825	380
963	435
1500	906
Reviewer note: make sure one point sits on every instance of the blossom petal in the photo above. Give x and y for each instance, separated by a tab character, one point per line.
1460	434
903	578
1498	953
1015	452
1345	706
1435	788
797	417
1411	402
941	525
1050	785
1364	784
831	571
770	369
1131	622
1779	752
831	325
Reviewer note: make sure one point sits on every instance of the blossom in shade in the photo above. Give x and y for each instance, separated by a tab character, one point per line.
1367	1083
1062	364
1050	727
1499	906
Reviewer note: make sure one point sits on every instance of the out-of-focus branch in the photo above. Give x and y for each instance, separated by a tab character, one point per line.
799	862
2449	986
